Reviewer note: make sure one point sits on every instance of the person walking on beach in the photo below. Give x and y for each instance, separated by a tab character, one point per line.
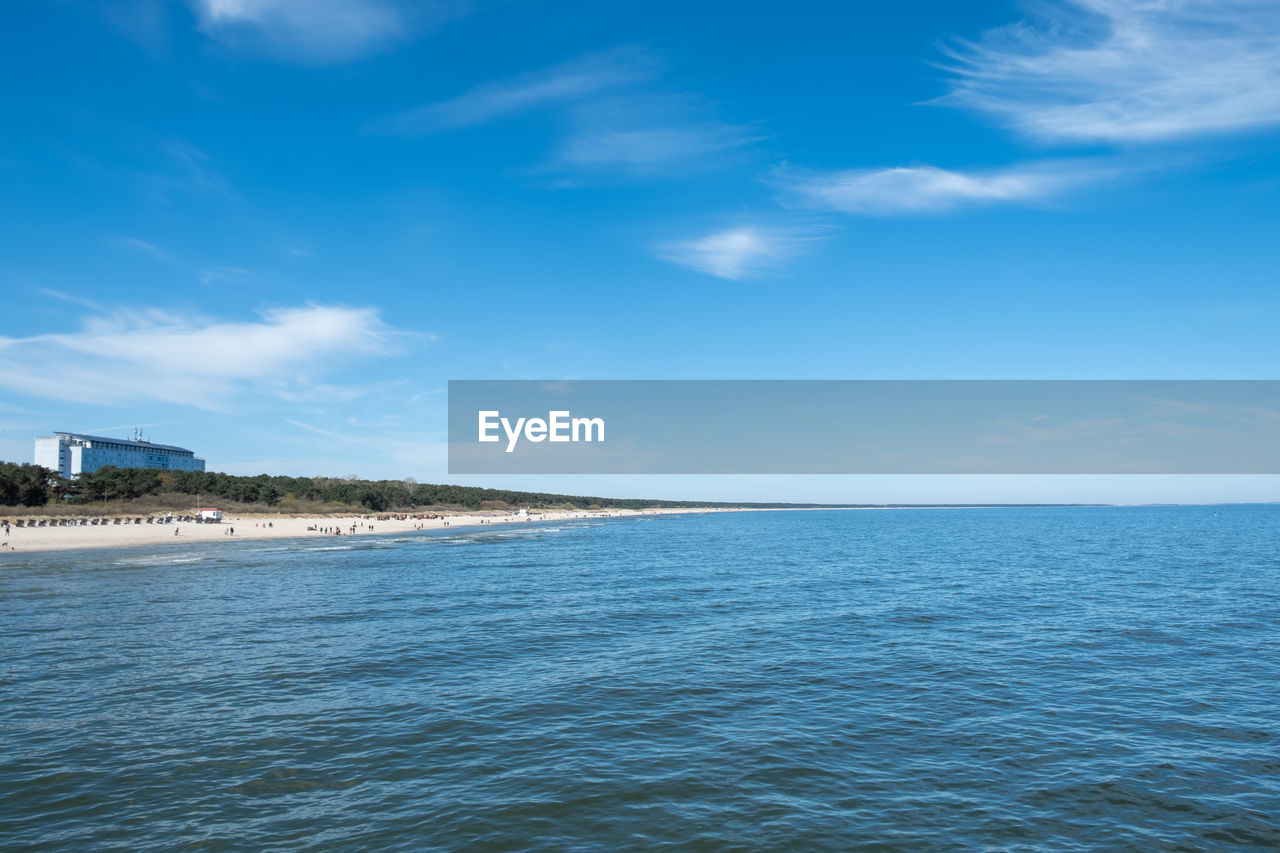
175	530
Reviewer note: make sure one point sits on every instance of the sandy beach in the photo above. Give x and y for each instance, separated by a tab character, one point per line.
22	540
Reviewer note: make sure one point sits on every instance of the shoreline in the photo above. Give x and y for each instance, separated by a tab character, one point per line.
36	540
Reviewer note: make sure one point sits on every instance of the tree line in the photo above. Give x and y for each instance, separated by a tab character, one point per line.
24	485
31	486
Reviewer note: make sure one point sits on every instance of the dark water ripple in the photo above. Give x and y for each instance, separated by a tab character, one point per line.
1070	679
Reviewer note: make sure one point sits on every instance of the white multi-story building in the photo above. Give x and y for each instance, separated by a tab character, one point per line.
70	454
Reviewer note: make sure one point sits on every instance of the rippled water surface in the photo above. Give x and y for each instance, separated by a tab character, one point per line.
1037	679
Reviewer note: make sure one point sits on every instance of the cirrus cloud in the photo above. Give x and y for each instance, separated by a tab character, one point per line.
903	191
566	83
737	253
1127	71
611	117
127	356
316	30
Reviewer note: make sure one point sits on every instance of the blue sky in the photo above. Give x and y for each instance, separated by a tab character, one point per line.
272	230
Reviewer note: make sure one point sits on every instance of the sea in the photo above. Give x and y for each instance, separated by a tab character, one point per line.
1068	679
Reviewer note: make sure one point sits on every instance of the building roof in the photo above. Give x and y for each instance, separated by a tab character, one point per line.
141	445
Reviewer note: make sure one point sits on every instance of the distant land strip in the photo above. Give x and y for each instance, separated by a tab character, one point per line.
31	486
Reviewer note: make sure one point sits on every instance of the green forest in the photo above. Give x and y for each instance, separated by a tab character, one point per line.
33	486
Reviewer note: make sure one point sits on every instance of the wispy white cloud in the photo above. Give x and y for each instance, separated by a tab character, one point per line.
184	168
206	275
647	133
314	30
143	246
738	253
223	274
610	113
72	299
125	357
312	428
928	189
1127	70
569	82
643	149
102	430
1120	71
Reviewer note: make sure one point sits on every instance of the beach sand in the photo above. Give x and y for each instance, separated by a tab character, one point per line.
27	540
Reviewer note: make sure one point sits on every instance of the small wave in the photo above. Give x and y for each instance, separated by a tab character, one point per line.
160	560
